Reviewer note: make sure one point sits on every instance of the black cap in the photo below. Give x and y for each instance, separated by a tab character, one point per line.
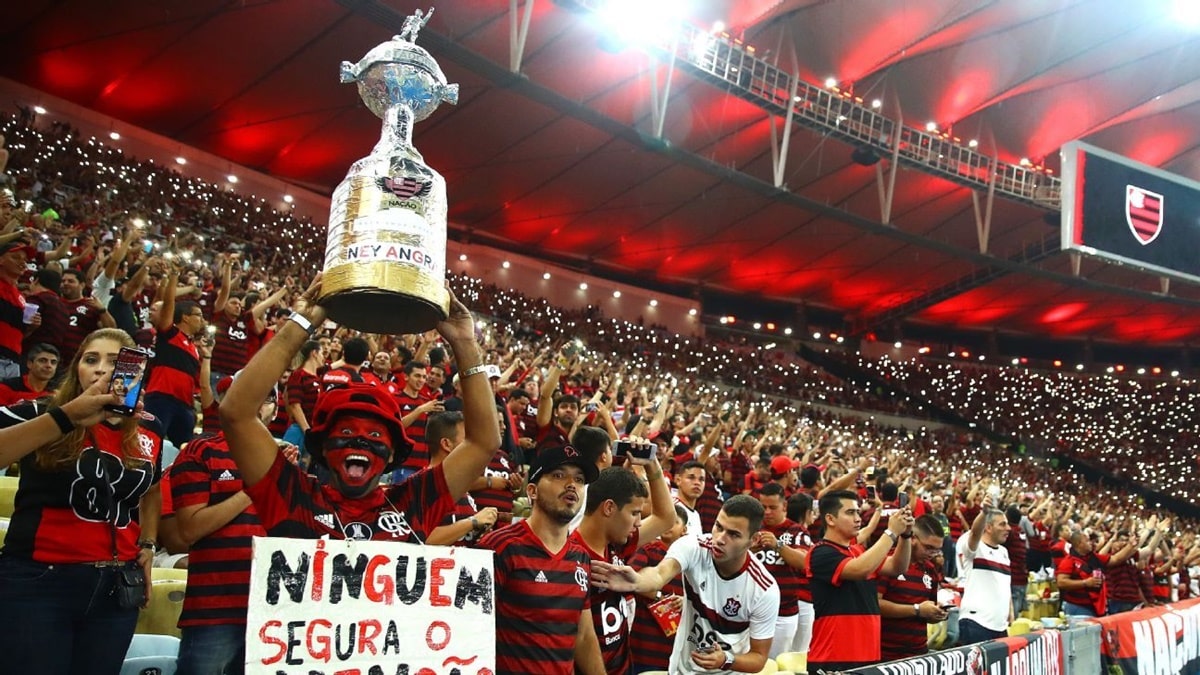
552	458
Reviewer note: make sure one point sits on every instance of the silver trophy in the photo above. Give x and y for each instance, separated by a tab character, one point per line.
385	256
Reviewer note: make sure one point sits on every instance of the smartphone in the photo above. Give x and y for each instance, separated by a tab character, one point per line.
591	407
870	492
147	247
638	450
128	379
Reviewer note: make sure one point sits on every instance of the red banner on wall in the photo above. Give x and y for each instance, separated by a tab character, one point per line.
1154	640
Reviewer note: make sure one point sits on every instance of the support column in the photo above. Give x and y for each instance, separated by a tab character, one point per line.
983	216
779	149
518	33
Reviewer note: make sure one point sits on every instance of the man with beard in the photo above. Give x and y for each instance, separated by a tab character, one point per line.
612	531
356	434
564	411
543	617
731	601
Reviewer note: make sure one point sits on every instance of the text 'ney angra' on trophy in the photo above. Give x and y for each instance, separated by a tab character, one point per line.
385	255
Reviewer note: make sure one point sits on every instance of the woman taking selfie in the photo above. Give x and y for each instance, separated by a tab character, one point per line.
75	566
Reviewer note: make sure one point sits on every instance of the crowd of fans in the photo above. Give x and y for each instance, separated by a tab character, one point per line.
1143	428
113	241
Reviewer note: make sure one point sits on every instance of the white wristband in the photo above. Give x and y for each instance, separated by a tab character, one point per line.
301	321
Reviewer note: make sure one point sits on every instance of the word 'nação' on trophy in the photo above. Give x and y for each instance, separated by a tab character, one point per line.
385	255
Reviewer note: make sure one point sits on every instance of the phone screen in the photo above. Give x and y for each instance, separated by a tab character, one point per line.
128	379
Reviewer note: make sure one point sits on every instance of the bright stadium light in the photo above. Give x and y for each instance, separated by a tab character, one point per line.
636	23
1185	13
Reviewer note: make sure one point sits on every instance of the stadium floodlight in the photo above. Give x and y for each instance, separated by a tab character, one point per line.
1185	13
635	23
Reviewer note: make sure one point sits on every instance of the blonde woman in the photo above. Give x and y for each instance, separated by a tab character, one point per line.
76	560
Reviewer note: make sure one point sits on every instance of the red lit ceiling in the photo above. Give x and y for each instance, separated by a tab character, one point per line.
548	164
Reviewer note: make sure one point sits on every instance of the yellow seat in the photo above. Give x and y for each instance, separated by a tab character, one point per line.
1019	627
8	495
167	574
161	616
936	635
770	669
796	662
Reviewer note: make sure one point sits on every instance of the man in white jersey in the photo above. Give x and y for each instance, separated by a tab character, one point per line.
986	608
730	600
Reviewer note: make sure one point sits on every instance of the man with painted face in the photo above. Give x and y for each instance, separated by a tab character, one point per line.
357	434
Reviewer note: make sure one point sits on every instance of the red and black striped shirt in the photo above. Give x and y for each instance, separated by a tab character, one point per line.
218	564
54	321
539	599
1018	550
651	648
291	503
175	367
498	470
303	387
610	610
902	638
210	418
419	458
236	341
1123	583
12	321
792	535
82	319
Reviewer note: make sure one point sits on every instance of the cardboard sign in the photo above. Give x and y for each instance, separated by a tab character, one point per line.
323	607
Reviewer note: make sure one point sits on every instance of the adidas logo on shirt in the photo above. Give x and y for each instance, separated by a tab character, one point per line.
541	578
227	475
325	519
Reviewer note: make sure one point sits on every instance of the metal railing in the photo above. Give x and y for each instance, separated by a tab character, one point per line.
727	62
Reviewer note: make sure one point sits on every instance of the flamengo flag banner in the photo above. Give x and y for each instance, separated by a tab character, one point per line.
1155	640
1032	654
325	607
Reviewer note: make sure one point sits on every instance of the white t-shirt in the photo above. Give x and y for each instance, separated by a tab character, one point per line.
694	526
579	515
987	583
727	613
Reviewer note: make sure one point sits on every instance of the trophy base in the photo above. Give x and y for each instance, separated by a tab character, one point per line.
372	310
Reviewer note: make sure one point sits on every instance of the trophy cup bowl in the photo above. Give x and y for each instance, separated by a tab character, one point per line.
385	258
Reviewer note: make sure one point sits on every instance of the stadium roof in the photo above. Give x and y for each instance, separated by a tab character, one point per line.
562	160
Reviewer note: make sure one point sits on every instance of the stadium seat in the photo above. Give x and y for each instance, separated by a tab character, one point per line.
796	662
1020	627
161	616
149	665
8	493
770	669
937	634
151	655
168	574
152	645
